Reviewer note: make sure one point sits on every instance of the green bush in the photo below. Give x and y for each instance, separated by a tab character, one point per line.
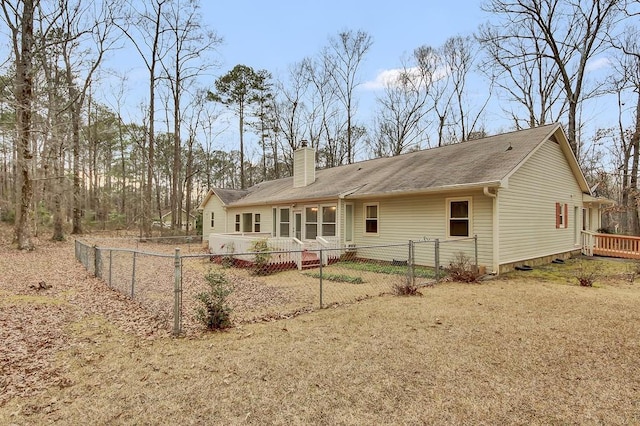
215	312
262	256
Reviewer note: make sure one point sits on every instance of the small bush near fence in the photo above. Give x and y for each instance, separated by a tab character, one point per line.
407	288
461	269
214	311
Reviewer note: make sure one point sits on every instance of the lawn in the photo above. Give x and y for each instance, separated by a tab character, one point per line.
528	348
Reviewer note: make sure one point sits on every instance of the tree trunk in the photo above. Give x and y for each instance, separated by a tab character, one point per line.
634	220
24	93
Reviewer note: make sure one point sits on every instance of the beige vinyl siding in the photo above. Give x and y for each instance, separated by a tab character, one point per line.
528	205
214	205
423	217
266	221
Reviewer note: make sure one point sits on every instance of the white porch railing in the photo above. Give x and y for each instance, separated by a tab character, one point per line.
284	250
622	246
332	245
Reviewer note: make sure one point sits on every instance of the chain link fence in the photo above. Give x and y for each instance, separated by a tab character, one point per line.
267	284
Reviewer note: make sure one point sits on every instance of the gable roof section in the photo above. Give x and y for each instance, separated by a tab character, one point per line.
226	196
474	164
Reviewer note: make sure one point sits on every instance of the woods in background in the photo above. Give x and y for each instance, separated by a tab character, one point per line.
72	156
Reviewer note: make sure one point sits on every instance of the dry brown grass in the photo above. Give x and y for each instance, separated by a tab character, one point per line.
524	349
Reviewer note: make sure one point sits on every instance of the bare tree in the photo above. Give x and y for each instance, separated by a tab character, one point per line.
343	57
459	56
401	110
627	80
190	42
289	111
146	29
84	24
531	84
19	17
325	123
564	34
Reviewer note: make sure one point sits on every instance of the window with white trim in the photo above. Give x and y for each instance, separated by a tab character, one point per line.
328	221
310	223
285	222
458	217
562	216
371	219
213	217
237	223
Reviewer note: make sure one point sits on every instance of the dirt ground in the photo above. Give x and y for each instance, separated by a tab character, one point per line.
528	348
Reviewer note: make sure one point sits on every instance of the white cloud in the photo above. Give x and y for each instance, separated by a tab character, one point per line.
383	79
389	77
598	64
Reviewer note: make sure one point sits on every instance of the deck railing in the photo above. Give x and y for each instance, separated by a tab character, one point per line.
612	245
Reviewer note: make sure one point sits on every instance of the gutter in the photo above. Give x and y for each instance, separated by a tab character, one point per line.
495	229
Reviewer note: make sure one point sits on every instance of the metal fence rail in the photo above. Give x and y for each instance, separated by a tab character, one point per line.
267	284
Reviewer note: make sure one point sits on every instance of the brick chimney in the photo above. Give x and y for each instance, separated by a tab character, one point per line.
304	165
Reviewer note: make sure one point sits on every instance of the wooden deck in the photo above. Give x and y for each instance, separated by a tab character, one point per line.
610	245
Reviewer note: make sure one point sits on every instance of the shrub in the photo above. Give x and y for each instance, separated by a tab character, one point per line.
462	270
215	312
262	256
340	278
406	288
586	273
227	259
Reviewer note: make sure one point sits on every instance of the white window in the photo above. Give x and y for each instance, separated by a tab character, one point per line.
371	219
310	223
562	215
459	217
237	223
285	222
213	217
329	221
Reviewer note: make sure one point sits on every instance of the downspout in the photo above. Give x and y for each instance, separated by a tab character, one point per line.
495	229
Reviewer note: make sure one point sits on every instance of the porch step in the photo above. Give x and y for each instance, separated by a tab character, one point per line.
310	264
310	260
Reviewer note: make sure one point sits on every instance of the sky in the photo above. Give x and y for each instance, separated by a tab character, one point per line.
274	35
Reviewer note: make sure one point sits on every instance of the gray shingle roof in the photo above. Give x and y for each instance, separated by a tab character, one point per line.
483	161
229	196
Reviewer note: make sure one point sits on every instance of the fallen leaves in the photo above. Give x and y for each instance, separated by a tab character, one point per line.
42	293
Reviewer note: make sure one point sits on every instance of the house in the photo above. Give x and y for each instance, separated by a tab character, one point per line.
165	220
522	193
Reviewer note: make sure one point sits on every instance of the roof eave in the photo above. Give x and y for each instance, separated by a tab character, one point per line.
434	190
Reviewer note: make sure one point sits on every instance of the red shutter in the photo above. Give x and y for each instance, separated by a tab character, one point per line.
566	215
558	215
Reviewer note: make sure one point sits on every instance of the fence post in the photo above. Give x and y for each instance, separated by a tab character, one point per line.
410	273
475	248
177	293
320	278
110	266
133	274
436	247
95	261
